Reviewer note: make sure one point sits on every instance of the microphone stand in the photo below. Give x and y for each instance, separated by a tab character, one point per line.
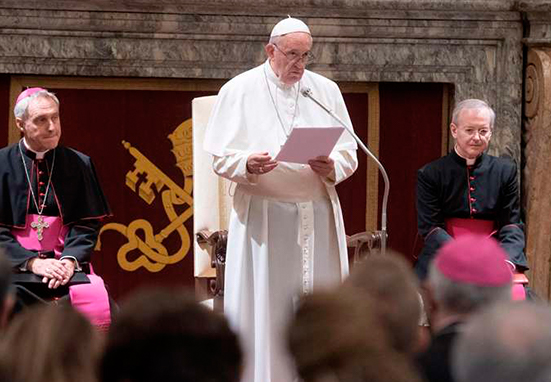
381	235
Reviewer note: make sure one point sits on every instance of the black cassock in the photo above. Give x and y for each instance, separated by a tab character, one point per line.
74	194
488	190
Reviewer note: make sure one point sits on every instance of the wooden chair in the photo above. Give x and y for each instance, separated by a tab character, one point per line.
364	244
212	207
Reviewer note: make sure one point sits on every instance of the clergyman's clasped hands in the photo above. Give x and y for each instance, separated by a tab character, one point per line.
54	272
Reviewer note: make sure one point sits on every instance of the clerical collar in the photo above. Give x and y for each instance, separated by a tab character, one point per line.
272	76
463	161
37	154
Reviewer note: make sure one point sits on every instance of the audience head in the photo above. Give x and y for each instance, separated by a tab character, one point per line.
508	342
390	282
50	343
468	273
162	335
336	336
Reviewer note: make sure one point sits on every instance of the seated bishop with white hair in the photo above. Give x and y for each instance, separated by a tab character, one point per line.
286	231
51	207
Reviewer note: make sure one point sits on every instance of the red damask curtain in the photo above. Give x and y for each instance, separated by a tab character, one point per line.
138	138
411	136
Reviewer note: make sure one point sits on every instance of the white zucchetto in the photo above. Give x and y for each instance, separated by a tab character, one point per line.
289	25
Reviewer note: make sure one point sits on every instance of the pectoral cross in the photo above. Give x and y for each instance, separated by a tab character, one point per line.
39	225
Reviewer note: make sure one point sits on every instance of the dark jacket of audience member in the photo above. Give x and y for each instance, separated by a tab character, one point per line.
162	335
50	343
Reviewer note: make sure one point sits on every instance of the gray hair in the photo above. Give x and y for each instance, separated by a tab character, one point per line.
470	104
509	342
20	110
462	298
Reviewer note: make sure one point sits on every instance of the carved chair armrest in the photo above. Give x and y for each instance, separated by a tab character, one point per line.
364	244
217	242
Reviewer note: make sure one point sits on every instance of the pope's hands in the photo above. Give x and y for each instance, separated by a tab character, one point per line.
322	165
54	272
260	163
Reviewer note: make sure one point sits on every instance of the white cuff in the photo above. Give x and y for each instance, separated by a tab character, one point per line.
23	267
77	265
512	265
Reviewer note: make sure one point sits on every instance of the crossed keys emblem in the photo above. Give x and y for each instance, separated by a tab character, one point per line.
154	255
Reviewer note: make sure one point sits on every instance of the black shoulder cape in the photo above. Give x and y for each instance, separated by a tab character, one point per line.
74	180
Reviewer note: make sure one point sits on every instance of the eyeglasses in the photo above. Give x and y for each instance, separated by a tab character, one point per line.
294	56
483	133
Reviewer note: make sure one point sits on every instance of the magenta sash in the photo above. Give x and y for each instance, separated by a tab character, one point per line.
457	227
53	236
91	299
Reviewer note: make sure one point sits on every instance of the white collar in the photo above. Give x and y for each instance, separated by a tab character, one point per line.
39	154
469	161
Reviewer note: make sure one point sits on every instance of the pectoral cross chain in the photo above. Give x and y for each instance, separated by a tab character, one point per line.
39	225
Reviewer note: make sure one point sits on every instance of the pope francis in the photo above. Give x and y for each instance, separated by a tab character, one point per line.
286	231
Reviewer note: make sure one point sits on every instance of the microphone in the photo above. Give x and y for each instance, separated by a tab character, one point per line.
382	235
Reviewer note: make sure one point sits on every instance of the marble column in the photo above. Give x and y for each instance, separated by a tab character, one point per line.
536	151
537	154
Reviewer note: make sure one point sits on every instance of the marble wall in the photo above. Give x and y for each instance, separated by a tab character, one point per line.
474	45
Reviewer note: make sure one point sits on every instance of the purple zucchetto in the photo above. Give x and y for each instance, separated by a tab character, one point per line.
474	259
27	93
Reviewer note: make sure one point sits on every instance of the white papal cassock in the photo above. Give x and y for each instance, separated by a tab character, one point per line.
286	232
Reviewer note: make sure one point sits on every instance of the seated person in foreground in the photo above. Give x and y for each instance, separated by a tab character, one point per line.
338	336
165	335
508	342
48	343
467	275
390	281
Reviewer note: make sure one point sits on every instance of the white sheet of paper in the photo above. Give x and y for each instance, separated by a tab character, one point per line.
307	143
